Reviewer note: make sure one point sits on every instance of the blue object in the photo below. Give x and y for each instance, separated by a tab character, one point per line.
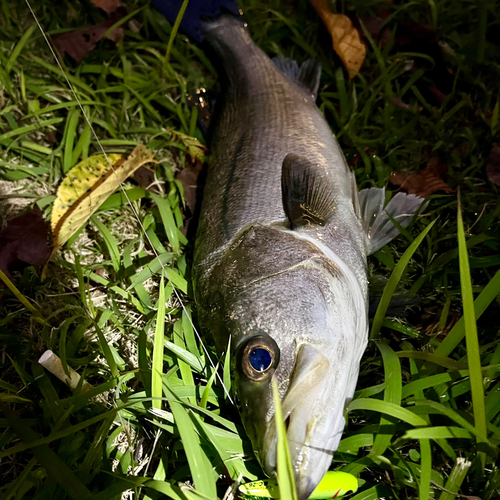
260	359
197	11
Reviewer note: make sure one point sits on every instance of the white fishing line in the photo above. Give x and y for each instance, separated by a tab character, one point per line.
134	210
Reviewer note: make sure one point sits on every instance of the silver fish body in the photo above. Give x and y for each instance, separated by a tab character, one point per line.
292	297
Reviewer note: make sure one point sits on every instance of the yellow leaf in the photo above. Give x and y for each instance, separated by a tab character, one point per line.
87	186
346	40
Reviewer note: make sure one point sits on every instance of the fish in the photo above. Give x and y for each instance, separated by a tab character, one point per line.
280	259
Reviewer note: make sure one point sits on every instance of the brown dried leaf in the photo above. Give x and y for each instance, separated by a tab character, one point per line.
25	241
425	182
346	40
493	165
77	44
145	178
374	25
192	183
108	5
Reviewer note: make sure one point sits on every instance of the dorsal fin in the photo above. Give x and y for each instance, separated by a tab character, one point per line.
308	195
307	76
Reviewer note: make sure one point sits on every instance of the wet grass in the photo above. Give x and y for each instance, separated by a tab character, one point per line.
425	420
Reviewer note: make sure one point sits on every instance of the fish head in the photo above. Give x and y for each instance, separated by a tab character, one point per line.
293	316
314	356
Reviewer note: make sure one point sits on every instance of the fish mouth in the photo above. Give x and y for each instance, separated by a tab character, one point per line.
312	423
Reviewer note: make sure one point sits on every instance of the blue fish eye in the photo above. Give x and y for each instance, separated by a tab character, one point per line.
260	359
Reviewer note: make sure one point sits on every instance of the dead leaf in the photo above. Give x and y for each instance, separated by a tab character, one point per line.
346	40
108	6
425	182
493	165
77	44
25	241
87	186
374	25
145	178
191	181
432	329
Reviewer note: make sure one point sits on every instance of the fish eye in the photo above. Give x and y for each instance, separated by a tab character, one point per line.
260	359
260	355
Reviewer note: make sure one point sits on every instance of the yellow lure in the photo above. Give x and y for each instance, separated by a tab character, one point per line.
333	485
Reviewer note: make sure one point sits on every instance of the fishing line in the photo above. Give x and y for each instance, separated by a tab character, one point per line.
134	210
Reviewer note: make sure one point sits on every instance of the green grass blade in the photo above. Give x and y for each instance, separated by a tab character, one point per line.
19	47
206	391
69	138
472	342
440	432
110	243
108	355
192	360
158	348
150	269
175	28
123	483
434	380
448	363
23	299
168	220
184	368
226	376
55	467
393	281
492	402
424	485
455	479
94	454
199	465
30	128
392	394
188	331
427	407
391	409
373	493
457	333
285	475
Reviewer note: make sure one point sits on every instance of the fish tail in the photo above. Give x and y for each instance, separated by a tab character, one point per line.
198	14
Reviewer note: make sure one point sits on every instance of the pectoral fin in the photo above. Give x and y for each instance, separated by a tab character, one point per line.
308	195
378	226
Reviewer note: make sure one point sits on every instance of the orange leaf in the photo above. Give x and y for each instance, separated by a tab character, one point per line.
78	43
425	182
346	40
108	5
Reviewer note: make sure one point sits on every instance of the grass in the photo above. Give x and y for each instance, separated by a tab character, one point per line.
425	420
